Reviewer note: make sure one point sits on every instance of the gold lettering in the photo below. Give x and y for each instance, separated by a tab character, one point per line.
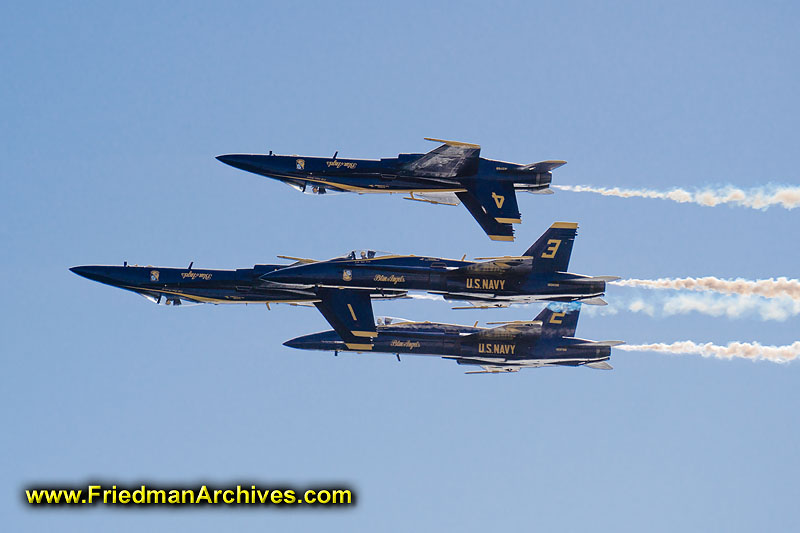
390	279
498	349
339	164
194	275
552	248
405	344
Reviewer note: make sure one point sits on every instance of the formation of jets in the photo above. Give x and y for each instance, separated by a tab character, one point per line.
343	288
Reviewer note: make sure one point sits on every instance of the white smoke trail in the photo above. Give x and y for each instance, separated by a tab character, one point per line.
768	288
744	350
731	307
785	196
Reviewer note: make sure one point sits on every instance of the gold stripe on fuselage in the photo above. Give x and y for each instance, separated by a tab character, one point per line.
362	190
206	299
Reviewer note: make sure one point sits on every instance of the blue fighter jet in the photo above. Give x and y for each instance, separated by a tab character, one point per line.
451	174
547	340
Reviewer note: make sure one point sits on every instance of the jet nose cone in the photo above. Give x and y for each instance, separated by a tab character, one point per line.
306	342
241	161
89	272
228	159
294	343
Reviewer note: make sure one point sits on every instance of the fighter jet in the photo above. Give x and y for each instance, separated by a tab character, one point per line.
539	274
451	174
180	286
547	340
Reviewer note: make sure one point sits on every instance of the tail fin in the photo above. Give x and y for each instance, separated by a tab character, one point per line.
559	320
552	251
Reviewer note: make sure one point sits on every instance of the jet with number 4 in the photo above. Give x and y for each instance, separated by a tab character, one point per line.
539	274
451	174
547	340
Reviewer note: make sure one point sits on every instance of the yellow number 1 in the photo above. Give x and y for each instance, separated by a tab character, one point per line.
552	248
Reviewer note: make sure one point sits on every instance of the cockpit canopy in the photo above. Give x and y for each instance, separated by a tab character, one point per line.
389	320
364	254
309	187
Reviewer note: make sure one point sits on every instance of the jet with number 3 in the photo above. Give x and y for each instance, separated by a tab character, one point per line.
451	174
539	274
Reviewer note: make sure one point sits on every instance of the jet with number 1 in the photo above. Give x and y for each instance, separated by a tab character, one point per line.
451	174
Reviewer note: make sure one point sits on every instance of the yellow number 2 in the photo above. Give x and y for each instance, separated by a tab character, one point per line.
552	248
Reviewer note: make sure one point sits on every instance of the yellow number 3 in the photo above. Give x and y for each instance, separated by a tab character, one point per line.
552	248
557	317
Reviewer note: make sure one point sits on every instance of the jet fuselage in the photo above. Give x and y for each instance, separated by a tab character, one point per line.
458	280
173	286
460	343
319	175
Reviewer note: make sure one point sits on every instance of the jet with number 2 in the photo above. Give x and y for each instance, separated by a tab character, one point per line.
548	340
451	174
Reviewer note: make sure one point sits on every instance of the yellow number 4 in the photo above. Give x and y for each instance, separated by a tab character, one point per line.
552	248
498	200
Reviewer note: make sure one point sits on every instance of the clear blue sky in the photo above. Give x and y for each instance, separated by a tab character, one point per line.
111	118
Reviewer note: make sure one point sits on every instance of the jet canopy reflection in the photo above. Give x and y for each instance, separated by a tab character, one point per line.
364	254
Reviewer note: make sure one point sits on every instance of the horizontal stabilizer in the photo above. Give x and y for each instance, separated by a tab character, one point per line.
593	344
607	343
594	301
605	278
600	365
541	166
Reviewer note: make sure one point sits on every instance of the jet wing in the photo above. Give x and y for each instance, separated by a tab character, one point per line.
494	369
350	313
450	160
439	198
509	330
497	264
494	206
300	260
